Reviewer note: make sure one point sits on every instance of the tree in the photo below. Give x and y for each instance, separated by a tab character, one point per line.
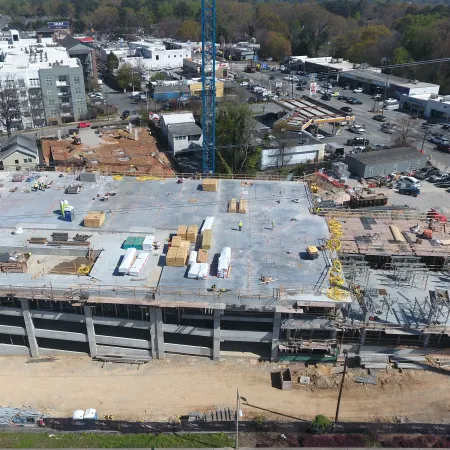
165	9
276	45
128	18
105	18
127	76
181	10
145	17
405	129
189	30
9	101
234	129
112	62
321	423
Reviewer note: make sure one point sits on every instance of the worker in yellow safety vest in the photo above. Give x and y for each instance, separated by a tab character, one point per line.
240	225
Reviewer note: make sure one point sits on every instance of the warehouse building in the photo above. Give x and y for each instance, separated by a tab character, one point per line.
383	162
371	81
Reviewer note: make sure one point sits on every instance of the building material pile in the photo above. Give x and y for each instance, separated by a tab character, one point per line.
127	261
223	268
242	206
207	224
232	205
370	360
17	416
177	256
202	256
191	234
181	231
94	219
210	185
198	271
207	240
13	263
139	264
176	241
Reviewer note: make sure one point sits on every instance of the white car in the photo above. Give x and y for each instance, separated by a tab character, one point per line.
390	101
244	83
358	90
319	136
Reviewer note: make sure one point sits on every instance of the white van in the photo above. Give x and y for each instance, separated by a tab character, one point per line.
403	182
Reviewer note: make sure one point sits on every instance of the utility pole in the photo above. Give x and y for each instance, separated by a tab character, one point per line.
424	138
341	387
238	410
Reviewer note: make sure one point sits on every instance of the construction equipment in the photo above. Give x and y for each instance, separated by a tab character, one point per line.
251	67
122	134
362	200
427	234
312	252
76	140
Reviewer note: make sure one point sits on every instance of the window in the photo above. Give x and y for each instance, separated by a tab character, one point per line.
49	92
80	110
371	170
16	161
79	100
76	80
53	112
21	82
62	79
77	90
27	160
48	81
157	57
168	56
51	102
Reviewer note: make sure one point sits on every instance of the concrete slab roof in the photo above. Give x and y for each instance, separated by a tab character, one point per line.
158	207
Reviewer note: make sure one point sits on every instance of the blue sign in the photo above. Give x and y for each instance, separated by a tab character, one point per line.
64	25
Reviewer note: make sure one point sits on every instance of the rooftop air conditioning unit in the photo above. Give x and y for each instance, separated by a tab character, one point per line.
339	60
334	61
356	66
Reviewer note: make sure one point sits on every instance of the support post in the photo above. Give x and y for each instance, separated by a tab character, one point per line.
216	336
362	337
288	331
90	331
275	336
29	326
426	341
156	333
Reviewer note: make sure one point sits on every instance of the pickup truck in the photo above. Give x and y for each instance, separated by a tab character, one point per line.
358	141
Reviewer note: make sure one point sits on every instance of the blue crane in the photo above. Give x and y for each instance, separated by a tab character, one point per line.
209	84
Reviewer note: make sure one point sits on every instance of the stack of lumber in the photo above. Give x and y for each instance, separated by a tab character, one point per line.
182	230
171	256
410	362
191	234
207	240
176	241
232	205
202	256
94	219
374	360
37	240
210	185
182	255
242	206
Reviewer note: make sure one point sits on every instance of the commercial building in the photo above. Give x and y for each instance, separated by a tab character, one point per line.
325	64
19	152
193	66
240	53
383	162
371	81
435	107
51	84
274	304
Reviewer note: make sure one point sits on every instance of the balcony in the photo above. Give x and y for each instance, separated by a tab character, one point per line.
37	105
35	97
62	83
66	114
64	104
63	94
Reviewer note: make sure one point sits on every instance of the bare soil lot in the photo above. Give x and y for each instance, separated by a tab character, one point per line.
166	389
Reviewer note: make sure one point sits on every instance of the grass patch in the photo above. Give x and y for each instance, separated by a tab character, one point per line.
95	440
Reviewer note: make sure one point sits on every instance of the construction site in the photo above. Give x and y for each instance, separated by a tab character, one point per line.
147	268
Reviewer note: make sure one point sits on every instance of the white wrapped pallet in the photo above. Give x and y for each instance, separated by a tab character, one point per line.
204	271
139	264
192	257
207	224
148	243
194	269
127	261
224	262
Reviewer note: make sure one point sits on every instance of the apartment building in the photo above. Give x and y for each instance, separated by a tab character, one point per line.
49	83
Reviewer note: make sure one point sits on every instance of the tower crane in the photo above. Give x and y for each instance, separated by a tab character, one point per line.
209	84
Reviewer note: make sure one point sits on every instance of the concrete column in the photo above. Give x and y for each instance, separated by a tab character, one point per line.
216	336
288	331
362	337
29	326
426	341
90	331
275	336
156	333
334	334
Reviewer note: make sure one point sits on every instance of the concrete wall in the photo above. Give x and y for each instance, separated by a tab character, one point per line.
276	157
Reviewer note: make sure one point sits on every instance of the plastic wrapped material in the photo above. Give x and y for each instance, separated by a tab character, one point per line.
148	243
127	261
224	262
139	264
192	257
207	224
198	271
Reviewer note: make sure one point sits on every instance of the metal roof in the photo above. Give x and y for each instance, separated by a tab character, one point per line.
386	156
185	129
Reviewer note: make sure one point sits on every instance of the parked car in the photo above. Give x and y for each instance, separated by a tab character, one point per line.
84	124
377	97
390	101
354	101
446	126
357	141
319	136
346	86
244	83
444	148
347	109
358	90
326	97
358	129
335	94
379	118
342	97
426	172
441	176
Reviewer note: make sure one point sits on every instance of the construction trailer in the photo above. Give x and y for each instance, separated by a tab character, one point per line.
396	289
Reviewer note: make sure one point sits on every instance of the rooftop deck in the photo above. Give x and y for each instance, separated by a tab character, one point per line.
158	207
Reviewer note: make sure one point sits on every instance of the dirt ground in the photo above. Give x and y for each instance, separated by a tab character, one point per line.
163	390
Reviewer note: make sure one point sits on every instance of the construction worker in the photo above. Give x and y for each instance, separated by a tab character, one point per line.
35	186
240	225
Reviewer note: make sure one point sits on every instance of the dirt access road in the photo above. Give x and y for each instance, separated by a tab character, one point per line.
166	389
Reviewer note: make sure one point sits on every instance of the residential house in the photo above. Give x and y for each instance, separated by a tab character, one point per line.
19	152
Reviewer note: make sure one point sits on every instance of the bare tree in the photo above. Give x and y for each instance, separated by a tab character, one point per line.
9	101
405	128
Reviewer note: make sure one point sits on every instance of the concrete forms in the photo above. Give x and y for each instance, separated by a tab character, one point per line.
162	312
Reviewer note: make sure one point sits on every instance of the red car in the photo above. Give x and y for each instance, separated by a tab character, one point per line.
84	124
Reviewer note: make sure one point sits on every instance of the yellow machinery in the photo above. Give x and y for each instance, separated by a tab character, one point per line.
312	251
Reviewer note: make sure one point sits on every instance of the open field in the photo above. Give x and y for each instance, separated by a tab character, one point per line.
166	389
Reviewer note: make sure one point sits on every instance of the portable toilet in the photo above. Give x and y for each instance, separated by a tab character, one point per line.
78	414
69	213
90	414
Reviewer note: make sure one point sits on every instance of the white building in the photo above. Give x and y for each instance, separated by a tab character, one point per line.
51	84
429	106
180	131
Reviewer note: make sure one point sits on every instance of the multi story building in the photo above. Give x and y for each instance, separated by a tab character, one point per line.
50	84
